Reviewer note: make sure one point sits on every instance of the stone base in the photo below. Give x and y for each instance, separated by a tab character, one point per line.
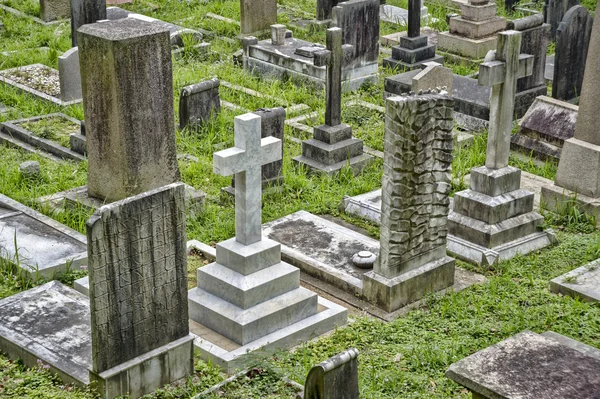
579	166
556	198
582	283
475	49
403	66
357	163
394	293
148	372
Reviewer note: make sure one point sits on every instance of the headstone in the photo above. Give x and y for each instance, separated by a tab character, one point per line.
413	50
198	103
578	177
52	10
434	76
415	202
85	12
324	9
473	34
69	75
332	146
495	211
554	11
257	15
335	378
128	107
572	42
137	263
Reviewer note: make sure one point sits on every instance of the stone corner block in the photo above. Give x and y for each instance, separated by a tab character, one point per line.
247	259
494	182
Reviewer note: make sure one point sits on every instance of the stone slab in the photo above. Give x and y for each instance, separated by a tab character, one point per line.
528	365
475	49
393	39
582	283
571	343
556	197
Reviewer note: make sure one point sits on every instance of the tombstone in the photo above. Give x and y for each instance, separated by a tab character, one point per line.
257	15
52	10
572	42
332	146
324	9
335	378
473	34
85	12
249	296
129	121
434	76
137	263
578	176
415	202
554	11
69	75
494	219
198	103
413	50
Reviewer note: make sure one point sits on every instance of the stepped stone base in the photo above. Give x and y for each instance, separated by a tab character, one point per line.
404	66
477	29
357	164
475	49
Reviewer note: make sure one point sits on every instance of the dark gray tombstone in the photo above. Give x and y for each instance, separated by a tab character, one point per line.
85	12
572	42
198	103
324	9
335	378
554	11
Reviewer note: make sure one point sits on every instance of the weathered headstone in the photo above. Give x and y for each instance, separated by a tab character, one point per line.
415	202
434	76
137	263
473	33
572	42
198	103
257	15
69	75
128	107
554	11
335	378
332	146
495	211
85	12
51	10
324	9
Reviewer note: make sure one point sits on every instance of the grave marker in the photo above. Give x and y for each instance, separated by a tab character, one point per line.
554	11
85	12
257	15
69	75
335	378
52	10
198	103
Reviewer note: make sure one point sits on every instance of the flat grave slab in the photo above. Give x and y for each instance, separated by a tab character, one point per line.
583	282
528	365
43	246
50	133
38	80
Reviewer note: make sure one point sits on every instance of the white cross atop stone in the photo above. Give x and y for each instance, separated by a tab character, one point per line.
501	75
245	161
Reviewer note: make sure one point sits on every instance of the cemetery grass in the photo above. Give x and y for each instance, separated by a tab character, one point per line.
403	359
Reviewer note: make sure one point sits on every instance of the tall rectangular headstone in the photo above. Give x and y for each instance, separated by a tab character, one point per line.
324	9
137	262
85	12
69	75
127	84
257	15
52	10
359	21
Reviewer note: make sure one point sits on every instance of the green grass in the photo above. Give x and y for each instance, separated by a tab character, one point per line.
402	359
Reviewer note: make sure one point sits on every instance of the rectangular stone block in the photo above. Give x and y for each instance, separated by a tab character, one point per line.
332	134
478	13
69	75
85	12
475	49
413	43
248	259
494	182
579	166
492	210
477	29
332	153
413	56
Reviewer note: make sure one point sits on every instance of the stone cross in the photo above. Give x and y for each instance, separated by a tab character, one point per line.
501	75
333	58
245	161
414	18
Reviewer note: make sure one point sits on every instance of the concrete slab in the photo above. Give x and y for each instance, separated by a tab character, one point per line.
582	283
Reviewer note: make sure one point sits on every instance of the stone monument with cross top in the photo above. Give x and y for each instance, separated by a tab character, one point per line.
248	298
494	219
332	146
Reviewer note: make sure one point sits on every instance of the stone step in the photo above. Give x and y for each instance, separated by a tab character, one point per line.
248	291
246	325
332	153
411	56
493	210
476	29
248	259
538	147
357	164
492	235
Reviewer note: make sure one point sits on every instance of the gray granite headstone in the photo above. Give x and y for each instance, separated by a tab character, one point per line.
335	378
85	12
69	75
51	10
128	107
257	15
554	11
359	21
324	9
572	42
198	103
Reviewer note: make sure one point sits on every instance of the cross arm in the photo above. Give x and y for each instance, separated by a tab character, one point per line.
270	148
229	162
493	72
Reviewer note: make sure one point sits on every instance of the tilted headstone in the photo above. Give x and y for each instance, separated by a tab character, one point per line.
335	378
495	211
415	202
198	103
572	42
554	11
434	76
52	10
137	263
128	107
257	15
69	75
85	12
332	146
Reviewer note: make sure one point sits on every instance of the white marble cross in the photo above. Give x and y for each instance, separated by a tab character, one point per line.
501	75
245	161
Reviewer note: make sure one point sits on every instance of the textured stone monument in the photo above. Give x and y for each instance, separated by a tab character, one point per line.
572	42
494	219
335	378
257	15
249	297
413	50
85	12
198	103
52	10
332	146
128	106
69	75
415	187
578	175
554	11
473	33
137	262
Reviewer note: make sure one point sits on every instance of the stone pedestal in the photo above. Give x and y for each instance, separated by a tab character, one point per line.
412	53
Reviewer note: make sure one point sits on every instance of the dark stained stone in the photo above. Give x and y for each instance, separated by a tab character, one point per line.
85	12
198	103
359	20
554	11
534	41
324	9
335	378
